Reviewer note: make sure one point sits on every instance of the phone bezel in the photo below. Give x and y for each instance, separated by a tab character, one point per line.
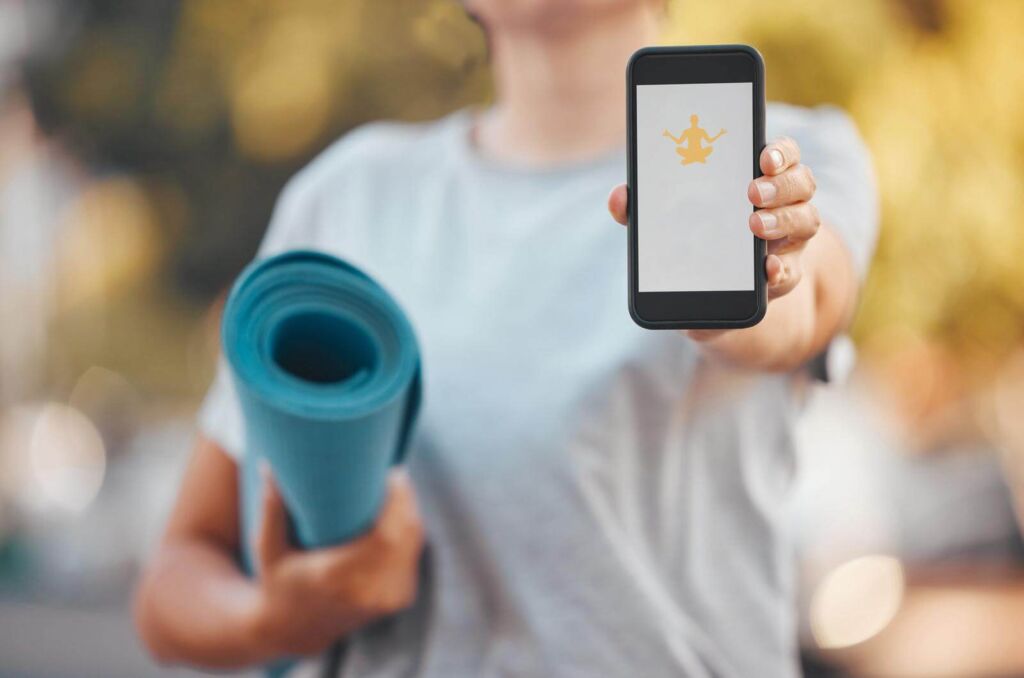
685	65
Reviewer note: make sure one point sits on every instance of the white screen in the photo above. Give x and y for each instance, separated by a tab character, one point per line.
692	208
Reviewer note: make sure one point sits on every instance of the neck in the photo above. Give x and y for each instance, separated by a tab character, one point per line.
561	92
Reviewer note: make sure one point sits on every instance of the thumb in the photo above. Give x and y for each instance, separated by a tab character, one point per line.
272	538
618	204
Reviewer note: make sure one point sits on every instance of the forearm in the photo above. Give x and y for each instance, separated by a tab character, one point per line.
800	324
983	616
194	606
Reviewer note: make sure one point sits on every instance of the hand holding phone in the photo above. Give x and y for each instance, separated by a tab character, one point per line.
693	261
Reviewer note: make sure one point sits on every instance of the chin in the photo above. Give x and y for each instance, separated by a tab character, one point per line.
542	14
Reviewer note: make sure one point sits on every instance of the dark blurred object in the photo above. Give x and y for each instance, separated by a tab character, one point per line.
215	105
928	15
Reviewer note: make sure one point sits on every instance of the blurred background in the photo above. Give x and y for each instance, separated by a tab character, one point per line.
142	146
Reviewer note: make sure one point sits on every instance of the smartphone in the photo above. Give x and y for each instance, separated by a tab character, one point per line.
695	133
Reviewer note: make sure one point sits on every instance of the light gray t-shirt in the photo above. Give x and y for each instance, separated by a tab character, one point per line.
600	500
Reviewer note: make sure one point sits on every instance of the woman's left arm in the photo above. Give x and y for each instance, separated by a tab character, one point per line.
812	283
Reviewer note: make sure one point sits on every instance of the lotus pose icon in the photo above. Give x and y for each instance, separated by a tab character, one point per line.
693	135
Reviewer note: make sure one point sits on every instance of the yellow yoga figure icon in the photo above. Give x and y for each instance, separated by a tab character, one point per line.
693	135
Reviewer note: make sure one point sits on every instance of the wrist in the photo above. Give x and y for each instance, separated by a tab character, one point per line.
745	348
705	337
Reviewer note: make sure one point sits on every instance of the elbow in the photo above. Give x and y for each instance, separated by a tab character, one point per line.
146	618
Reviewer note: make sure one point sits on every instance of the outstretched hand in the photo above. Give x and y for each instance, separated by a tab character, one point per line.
796	325
785	216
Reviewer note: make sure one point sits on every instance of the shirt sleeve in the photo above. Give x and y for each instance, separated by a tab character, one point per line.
220	417
291	226
846	195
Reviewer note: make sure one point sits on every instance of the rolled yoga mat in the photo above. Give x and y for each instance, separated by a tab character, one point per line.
327	371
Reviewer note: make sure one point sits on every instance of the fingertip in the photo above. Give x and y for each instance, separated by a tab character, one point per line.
772	160
756	224
398	476
779	155
753	194
618	200
400	486
765	224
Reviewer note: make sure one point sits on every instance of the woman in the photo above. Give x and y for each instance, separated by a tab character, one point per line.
598	500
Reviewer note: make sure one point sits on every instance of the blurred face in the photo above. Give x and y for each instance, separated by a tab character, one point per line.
546	15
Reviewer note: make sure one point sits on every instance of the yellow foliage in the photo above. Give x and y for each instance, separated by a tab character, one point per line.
938	92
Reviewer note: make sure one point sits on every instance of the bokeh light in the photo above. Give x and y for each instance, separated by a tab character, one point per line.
281	91
856	601
53	458
109	243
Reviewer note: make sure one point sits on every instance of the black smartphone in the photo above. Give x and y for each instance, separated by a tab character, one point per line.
696	130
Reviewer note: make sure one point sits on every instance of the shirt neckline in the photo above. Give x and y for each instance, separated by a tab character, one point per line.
461	128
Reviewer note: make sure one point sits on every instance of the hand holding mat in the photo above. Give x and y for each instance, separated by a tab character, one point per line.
327	371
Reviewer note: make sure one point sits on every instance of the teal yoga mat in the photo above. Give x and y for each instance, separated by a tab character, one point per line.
327	370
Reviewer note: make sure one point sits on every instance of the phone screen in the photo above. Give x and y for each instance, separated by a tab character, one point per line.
693	166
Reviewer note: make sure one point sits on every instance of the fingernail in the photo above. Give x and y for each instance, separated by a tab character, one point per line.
766	190
776	156
769	222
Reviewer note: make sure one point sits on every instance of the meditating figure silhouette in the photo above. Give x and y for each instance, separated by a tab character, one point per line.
693	135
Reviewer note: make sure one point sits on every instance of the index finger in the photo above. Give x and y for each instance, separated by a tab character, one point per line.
780	155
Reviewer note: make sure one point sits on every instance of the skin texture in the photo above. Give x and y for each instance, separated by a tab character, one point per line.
559	76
